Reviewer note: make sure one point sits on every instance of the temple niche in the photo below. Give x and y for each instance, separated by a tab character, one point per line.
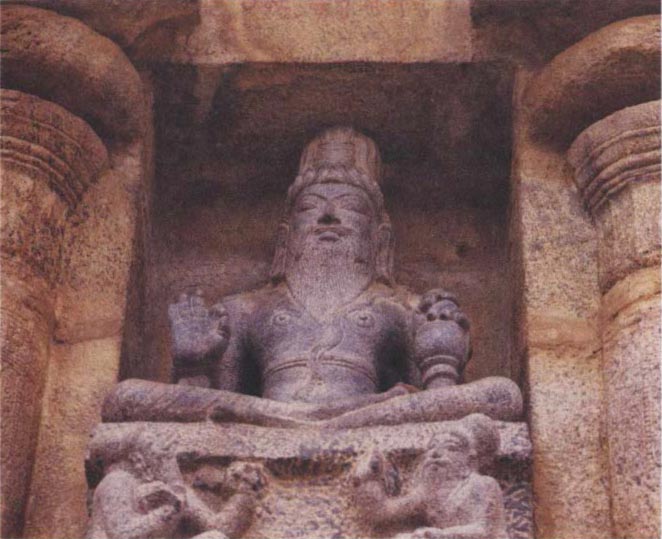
330	269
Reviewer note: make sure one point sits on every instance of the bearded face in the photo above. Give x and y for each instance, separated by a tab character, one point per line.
448	457
331	246
333	218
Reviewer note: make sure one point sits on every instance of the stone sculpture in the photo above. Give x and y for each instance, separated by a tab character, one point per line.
143	495
332	340
448	499
326	355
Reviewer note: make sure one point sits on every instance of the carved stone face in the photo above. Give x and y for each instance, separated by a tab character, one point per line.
330	218
333	212
448	455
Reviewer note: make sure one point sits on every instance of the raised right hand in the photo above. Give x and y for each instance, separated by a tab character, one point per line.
197	333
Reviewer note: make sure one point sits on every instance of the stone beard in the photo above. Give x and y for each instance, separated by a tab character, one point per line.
331	343
330	338
326	270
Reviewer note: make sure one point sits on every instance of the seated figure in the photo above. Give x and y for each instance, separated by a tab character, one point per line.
143	496
331	341
448	499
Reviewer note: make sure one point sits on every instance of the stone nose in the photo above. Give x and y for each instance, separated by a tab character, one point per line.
329	216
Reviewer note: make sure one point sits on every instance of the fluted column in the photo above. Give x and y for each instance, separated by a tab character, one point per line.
49	158
617	172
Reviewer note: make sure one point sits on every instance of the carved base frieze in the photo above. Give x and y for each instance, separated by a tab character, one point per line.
302	483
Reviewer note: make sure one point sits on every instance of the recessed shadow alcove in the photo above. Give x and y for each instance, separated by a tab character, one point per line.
227	145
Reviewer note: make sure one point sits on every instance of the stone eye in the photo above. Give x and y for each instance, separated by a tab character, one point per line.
281	319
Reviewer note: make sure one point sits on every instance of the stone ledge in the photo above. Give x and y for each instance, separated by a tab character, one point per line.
308	492
207	439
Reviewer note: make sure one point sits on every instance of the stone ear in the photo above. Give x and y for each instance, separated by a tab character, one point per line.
385	244
280	256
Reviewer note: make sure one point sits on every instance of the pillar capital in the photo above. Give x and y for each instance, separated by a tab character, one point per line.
616	152
617	172
48	143
50	157
615	67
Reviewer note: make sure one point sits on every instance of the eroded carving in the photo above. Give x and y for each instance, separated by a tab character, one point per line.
143	495
448	498
332	340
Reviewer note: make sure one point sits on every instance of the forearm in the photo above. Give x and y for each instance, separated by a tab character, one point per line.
237	514
402	507
200	515
380	508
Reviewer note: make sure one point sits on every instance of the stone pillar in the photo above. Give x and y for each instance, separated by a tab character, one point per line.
49	158
617	172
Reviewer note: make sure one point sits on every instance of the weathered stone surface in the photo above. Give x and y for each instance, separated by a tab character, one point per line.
331	336
98	256
60	59
447	496
123	22
632	388
81	247
613	68
204	32
309	471
331	343
558	340
532	32
83	371
227	138
49	160
324	31
224	163
617	170
99	252
571	495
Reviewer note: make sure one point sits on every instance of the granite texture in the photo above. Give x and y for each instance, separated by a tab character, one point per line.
309	472
50	158
85	73
562	300
617	170
615	67
558	340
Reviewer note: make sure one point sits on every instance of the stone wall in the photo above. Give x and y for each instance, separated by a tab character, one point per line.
520	173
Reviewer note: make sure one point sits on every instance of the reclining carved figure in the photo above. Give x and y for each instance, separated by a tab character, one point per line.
331	341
